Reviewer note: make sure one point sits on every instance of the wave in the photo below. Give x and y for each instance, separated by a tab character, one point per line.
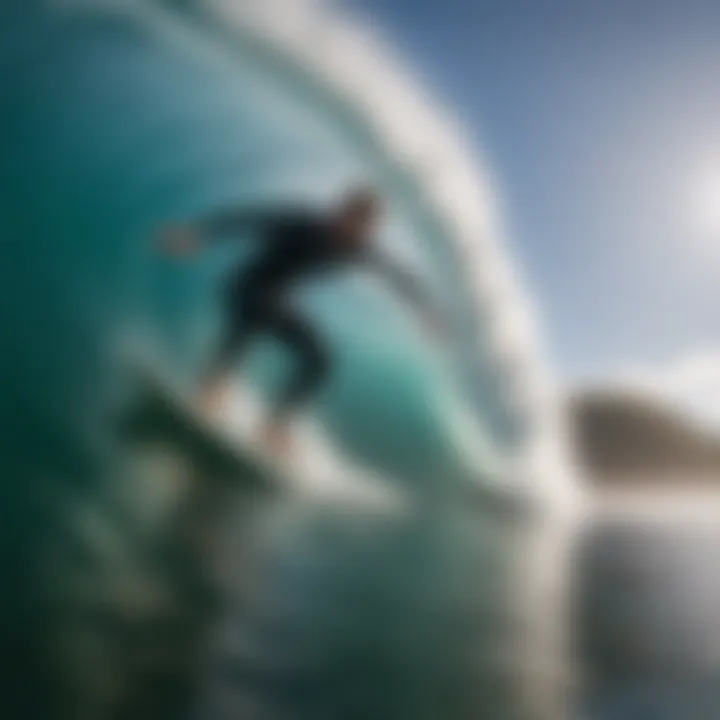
128	114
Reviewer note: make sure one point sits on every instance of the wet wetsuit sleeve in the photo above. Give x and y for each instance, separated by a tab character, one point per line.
236	221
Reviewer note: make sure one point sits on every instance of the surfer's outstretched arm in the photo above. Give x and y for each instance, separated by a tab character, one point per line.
232	222
189	237
407	286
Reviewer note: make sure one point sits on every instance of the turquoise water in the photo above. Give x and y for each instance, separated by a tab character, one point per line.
113	124
120	123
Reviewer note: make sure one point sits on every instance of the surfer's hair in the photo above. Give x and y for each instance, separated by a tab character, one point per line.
363	200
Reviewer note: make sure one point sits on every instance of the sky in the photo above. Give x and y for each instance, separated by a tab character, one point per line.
600	121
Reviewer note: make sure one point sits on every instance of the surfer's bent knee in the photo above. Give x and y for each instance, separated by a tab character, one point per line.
309	379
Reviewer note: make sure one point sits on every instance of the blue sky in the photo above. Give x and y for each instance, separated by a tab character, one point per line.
601	121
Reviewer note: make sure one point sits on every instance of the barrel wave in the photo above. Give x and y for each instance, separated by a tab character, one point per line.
121	117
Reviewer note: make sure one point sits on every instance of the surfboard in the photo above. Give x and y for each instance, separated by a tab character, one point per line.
159	413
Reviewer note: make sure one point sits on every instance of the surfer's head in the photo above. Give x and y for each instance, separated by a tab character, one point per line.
358	213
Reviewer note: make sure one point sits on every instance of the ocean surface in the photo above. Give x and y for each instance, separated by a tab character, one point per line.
651	599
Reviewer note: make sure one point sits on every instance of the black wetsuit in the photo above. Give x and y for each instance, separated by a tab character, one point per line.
297	244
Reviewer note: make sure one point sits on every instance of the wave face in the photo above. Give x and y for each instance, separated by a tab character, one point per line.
154	121
121	117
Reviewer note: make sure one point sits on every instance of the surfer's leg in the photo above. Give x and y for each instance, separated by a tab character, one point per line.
314	363
215	384
301	338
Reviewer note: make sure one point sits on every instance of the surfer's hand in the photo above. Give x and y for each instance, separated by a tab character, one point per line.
180	240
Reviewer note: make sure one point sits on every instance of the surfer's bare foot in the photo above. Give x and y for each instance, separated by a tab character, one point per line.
277	439
212	397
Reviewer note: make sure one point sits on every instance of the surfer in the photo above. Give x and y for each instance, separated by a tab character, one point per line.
298	244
